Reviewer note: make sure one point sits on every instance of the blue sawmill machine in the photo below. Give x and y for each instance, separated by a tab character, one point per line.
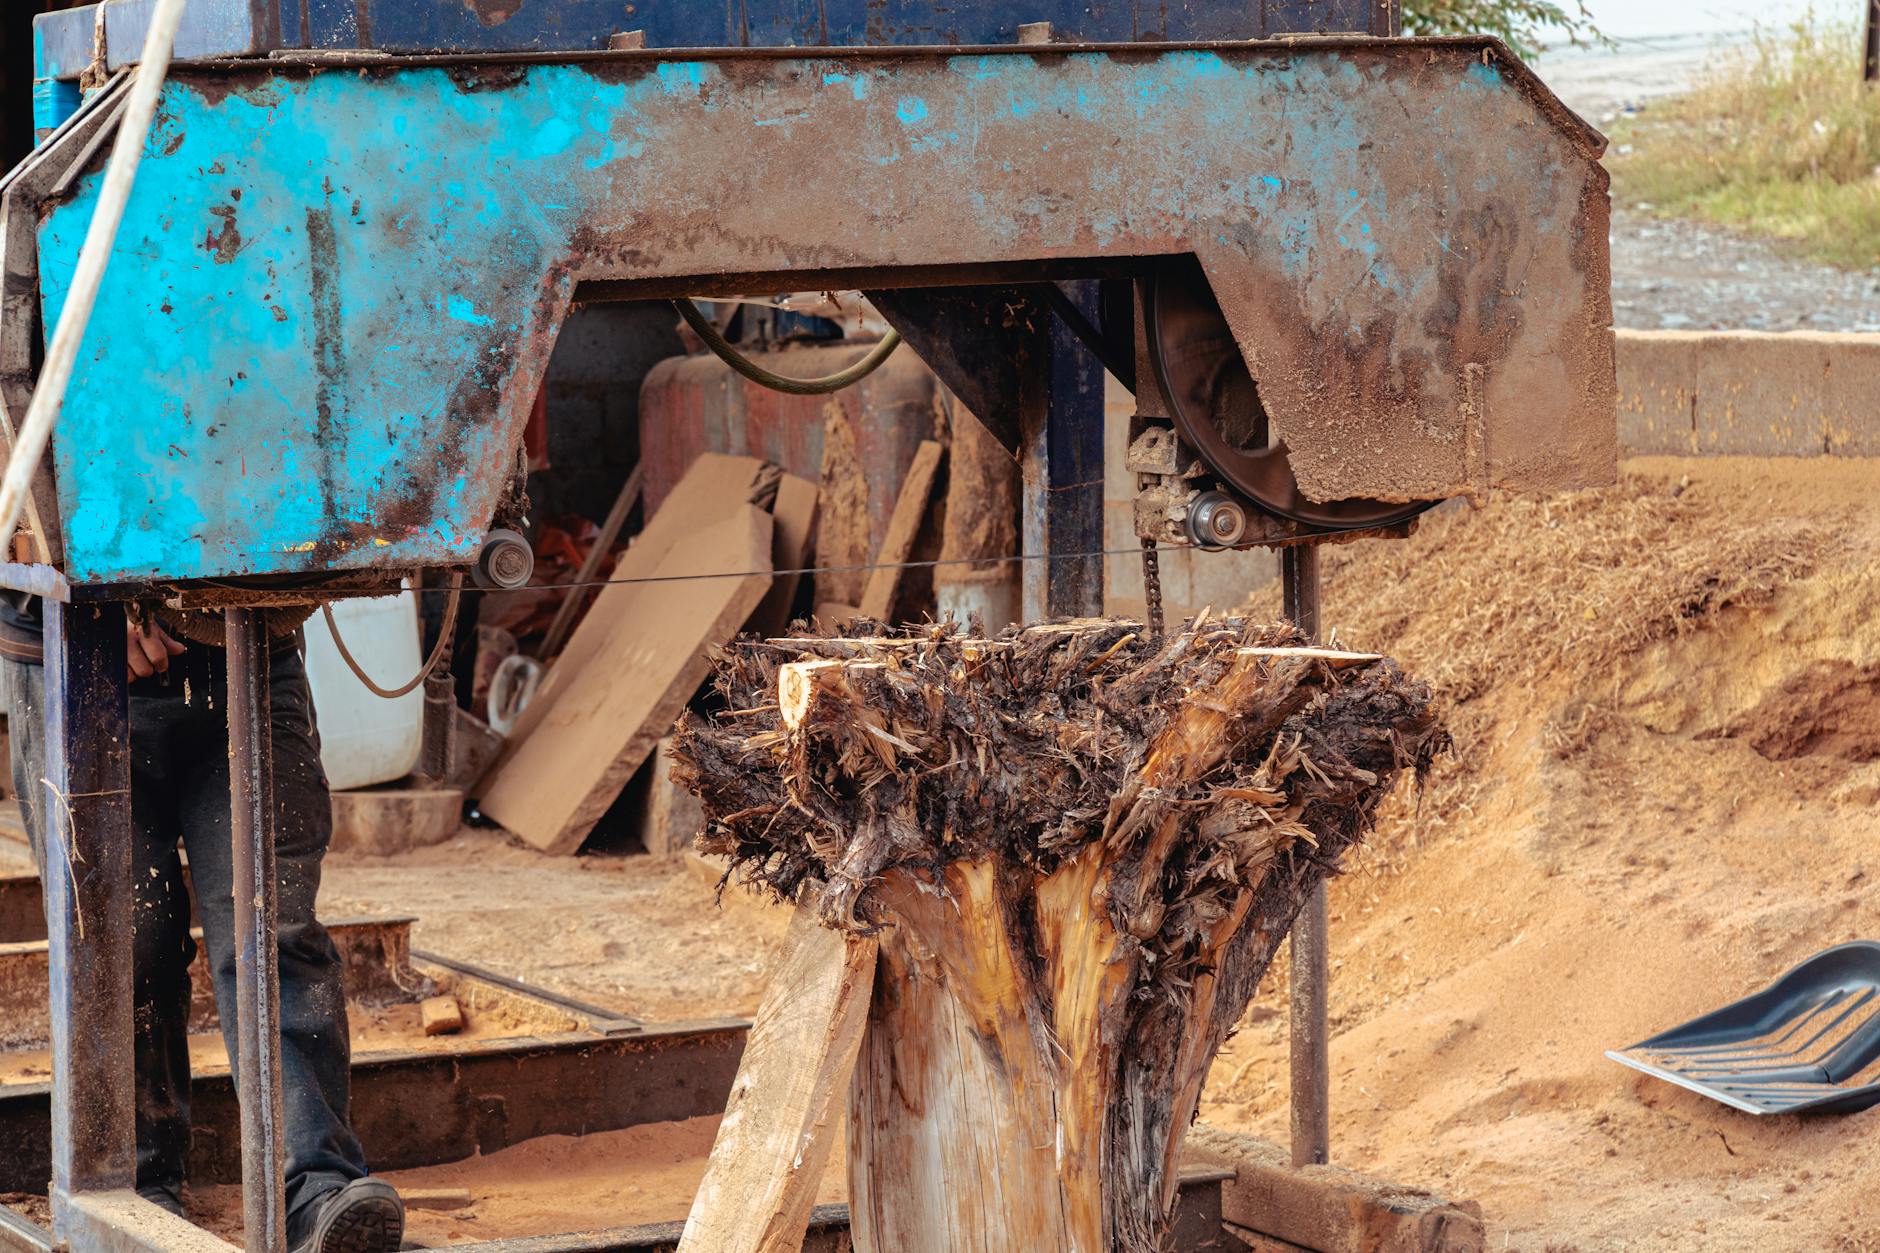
1346	275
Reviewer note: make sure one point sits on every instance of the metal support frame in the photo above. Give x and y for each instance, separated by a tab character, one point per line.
1311	965
1063	473
87	802
257	972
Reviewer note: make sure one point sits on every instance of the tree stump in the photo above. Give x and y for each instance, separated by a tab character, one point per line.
1080	848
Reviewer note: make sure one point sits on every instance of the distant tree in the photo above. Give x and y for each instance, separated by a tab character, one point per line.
1524	25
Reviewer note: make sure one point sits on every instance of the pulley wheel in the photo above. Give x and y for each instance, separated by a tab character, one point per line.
1217	409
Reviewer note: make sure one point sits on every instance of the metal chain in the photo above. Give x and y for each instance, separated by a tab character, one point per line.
1152	585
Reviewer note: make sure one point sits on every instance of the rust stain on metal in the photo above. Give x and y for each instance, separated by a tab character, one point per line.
225	242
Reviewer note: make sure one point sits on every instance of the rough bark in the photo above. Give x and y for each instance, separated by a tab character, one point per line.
1081	849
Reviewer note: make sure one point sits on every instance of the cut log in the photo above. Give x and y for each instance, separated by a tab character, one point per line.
910	510
1081	848
779	1125
633	663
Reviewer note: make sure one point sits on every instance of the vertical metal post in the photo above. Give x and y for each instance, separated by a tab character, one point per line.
1311	963
86	802
1870	58
1063	451
257	973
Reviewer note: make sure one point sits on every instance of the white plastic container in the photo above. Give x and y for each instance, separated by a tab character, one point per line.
366	739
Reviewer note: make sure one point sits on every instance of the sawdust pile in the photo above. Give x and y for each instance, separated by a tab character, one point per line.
1665	792
1561	585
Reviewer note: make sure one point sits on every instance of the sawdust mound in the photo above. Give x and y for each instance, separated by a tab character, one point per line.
1665	792
1561	586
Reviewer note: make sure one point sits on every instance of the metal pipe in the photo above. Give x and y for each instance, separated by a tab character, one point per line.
1311	964
1870	54
257	972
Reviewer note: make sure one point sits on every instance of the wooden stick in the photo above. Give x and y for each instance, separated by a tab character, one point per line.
910	510
774	1142
603	544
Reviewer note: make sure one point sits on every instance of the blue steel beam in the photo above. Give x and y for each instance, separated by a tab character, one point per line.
223	28
335	290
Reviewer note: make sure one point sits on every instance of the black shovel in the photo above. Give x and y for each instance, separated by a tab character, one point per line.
1805	1044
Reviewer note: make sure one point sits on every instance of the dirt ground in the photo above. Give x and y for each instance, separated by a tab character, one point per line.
640	935
551	1184
1666	792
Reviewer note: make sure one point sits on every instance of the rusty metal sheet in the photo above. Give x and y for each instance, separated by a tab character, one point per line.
336	288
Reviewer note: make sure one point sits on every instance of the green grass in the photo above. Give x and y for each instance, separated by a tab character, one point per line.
1781	138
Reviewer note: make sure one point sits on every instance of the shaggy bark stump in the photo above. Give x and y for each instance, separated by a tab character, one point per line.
1080	850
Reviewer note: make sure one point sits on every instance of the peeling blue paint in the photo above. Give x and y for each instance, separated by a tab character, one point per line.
400	237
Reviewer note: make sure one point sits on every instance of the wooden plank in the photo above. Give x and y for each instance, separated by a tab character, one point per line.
791	543
712	484
1328	1207
910	510
774	1142
633	663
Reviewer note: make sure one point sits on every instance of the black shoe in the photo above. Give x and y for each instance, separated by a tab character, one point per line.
165	1196
365	1216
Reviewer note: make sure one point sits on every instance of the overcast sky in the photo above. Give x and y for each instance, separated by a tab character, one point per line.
1643	18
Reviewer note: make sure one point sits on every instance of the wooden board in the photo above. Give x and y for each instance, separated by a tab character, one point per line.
910	510
714	482
635	661
790	549
779	1125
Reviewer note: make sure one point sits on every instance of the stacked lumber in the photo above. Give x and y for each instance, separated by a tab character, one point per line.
1077	850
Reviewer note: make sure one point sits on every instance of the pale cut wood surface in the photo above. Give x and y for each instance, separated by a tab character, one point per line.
910	510
950	1150
615	692
779	1125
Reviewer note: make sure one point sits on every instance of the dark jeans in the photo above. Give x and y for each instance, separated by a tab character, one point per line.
180	790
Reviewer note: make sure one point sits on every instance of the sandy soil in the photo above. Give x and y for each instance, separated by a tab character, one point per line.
553	1184
1651	813
641	935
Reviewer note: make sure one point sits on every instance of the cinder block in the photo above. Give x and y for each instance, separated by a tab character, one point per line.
1328	1208
1749	393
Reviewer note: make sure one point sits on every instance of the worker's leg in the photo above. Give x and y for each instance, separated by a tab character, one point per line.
161	947
316	1060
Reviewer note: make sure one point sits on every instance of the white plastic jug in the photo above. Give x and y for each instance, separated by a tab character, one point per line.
366	739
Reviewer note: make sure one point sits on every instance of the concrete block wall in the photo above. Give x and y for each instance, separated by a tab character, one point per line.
1749	393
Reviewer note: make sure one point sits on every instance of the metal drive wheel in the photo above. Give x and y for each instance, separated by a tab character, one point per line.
1216	406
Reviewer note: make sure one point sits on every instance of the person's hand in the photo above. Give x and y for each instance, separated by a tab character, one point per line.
149	649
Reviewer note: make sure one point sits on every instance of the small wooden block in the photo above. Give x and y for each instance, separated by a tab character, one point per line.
435	1198
442	1015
